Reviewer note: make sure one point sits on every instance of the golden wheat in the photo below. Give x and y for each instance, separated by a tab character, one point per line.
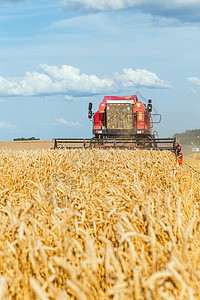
96	224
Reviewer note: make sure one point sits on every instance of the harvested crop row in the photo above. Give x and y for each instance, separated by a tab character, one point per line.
90	224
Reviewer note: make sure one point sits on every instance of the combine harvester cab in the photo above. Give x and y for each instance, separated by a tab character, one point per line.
126	123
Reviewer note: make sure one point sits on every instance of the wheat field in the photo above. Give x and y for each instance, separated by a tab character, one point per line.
98	224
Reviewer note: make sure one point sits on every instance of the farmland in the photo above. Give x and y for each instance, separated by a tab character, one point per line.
96	224
26	145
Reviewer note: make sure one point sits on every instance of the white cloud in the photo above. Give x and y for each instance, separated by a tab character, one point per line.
68	81
62	121
179	9
4	125
141	78
54	80
70	98
194	80
102	5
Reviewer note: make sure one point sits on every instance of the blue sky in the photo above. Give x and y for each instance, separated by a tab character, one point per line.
56	56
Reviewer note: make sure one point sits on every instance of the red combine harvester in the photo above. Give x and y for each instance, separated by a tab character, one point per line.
122	117
126	123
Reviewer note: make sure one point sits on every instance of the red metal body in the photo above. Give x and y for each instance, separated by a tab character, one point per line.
140	116
96	121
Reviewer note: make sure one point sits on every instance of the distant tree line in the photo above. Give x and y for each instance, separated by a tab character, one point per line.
26	139
189	136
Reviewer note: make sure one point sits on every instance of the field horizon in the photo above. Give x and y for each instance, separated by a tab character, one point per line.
27	145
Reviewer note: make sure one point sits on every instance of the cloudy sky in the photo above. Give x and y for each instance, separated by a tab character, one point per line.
58	55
